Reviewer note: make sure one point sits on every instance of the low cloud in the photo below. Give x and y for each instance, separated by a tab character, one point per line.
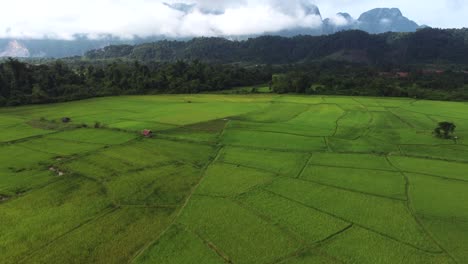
186	18
64	19
339	20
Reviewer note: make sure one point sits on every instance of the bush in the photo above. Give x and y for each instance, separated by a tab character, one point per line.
445	130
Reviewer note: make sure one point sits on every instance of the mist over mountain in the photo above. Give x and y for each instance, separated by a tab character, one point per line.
59	48
375	21
14	48
309	22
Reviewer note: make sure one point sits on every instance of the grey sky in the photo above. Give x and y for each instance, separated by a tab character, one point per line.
64	18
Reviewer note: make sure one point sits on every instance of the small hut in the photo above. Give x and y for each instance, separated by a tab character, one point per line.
66	120
147	133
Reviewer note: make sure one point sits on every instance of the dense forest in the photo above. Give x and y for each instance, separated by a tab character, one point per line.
23	83
424	46
345	79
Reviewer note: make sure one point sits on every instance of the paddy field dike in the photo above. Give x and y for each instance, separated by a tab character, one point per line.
234	179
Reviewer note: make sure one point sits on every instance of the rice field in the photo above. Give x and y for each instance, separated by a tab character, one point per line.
234	179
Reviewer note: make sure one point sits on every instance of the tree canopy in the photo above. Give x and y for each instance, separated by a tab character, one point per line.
23	83
424	46
445	130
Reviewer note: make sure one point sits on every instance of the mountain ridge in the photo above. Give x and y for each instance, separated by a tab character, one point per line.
369	21
426	45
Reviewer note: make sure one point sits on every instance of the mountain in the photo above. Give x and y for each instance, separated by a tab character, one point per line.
382	20
375	21
309	10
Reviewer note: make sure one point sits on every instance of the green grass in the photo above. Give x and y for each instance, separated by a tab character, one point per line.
446	215
447	197
16	158
311	257
196	154
276	112
365	210
237	232
113	238
382	183
131	156
59	147
32	221
357	246
90	167
271	140
12	184
346	160
321	118
300	129
291	163
452	235
417	120
139	126
258	178
97	136
299	99
14	128
307	224
178	246
166	185
353	125
438	168
202	132
228	180
369	144
444	152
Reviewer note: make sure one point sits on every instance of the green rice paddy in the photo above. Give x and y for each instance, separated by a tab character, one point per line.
234	179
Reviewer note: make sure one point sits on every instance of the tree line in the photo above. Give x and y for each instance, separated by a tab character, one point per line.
424	46
58	81
25	83
332	78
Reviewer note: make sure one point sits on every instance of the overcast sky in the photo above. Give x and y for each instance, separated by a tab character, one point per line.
125	18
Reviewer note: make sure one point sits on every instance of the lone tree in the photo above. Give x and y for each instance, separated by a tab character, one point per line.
445	130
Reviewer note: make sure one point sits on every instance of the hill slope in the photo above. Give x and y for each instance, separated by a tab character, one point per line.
424	46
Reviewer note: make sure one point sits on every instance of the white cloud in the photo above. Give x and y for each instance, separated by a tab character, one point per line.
126	18
339	20
63	19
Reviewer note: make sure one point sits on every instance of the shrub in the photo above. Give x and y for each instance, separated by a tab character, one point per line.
445	130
